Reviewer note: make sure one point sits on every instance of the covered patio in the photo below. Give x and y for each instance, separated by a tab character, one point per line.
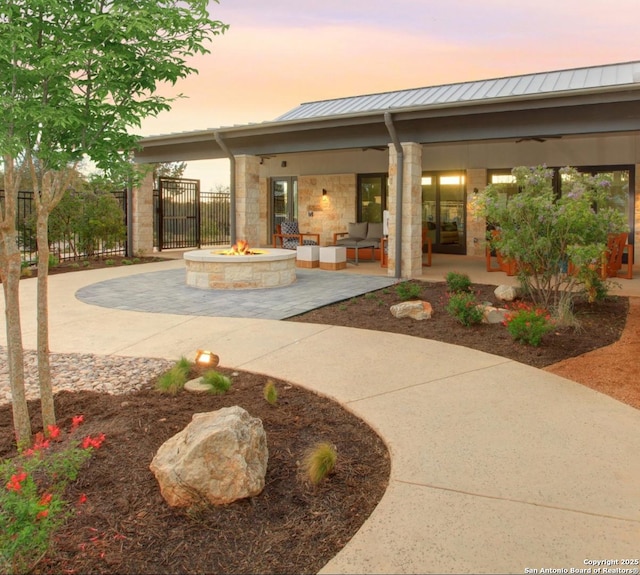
422	154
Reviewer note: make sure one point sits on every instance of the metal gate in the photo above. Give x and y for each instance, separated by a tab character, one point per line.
177	213
185	217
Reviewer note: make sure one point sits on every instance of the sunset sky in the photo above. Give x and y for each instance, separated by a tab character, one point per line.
280	53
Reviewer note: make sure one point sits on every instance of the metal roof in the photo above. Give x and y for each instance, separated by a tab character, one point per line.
528	85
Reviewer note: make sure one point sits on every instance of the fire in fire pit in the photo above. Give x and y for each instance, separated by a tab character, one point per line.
240	248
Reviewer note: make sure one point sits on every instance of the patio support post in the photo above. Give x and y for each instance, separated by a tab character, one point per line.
388	120
232	187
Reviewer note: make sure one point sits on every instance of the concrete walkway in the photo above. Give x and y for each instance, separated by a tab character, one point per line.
496	467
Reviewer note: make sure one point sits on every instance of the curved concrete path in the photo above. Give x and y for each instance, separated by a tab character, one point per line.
496	467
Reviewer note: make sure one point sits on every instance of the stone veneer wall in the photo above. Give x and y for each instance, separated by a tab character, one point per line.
476	226
142	216
331	213
248	199
411	252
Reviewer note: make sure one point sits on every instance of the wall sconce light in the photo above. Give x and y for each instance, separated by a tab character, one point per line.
324	192
475	191
283	164
205	358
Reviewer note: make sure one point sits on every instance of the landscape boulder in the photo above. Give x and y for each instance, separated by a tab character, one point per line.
414	309
221	456
491	314
507	293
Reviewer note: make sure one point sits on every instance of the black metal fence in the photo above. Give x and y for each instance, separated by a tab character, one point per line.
186	217
65	242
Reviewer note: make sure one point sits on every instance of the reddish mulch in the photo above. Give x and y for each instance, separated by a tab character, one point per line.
291	527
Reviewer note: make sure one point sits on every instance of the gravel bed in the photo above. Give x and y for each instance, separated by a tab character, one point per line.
73	371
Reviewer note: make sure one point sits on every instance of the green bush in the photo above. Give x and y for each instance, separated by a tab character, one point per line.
408	290
173	381
457	282
218	383
320	462
464	308
32	491
270	393
528	324
551	237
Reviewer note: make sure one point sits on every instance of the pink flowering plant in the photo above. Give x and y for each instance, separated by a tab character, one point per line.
528	324
32	487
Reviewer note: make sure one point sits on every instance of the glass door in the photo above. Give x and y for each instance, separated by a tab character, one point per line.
372	197
283	201
444	200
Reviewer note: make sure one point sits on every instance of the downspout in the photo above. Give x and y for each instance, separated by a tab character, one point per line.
388	120
232	187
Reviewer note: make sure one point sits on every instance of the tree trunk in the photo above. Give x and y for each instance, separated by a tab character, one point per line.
44	365
10	266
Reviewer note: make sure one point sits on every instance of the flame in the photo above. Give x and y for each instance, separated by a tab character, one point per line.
240	248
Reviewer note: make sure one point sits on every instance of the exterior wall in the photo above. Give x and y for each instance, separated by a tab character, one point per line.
636	244
329	214
248	199
142	216
476	226
411	252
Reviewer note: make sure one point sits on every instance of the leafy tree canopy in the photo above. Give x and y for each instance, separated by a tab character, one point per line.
77	76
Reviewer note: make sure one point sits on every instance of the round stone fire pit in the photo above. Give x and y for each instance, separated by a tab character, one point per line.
211	269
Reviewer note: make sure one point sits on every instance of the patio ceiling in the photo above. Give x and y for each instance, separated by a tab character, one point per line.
585	111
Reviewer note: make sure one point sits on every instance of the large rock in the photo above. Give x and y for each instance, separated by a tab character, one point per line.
219	457
507	293
414	309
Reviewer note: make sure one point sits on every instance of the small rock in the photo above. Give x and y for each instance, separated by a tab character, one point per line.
507	293
414	309
491	314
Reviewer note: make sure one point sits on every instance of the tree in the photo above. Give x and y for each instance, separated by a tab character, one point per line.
557	243
76	77
169	170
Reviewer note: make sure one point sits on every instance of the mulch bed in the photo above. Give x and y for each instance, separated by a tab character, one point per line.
601	324
291	527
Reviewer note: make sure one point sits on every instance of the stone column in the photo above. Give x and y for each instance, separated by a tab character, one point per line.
248	199
411	253
142	216
476	225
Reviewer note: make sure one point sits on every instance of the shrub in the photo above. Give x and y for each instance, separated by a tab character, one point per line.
548	237
464	308
270	393
218	383
528	324
32	504
319	462
457	282
173	381
408	290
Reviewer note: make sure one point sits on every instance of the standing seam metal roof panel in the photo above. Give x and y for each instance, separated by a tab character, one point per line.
525	85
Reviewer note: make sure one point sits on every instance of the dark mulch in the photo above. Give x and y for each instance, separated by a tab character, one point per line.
601	324
91	263
291	527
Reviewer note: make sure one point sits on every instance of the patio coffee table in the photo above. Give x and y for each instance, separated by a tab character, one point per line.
357	245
